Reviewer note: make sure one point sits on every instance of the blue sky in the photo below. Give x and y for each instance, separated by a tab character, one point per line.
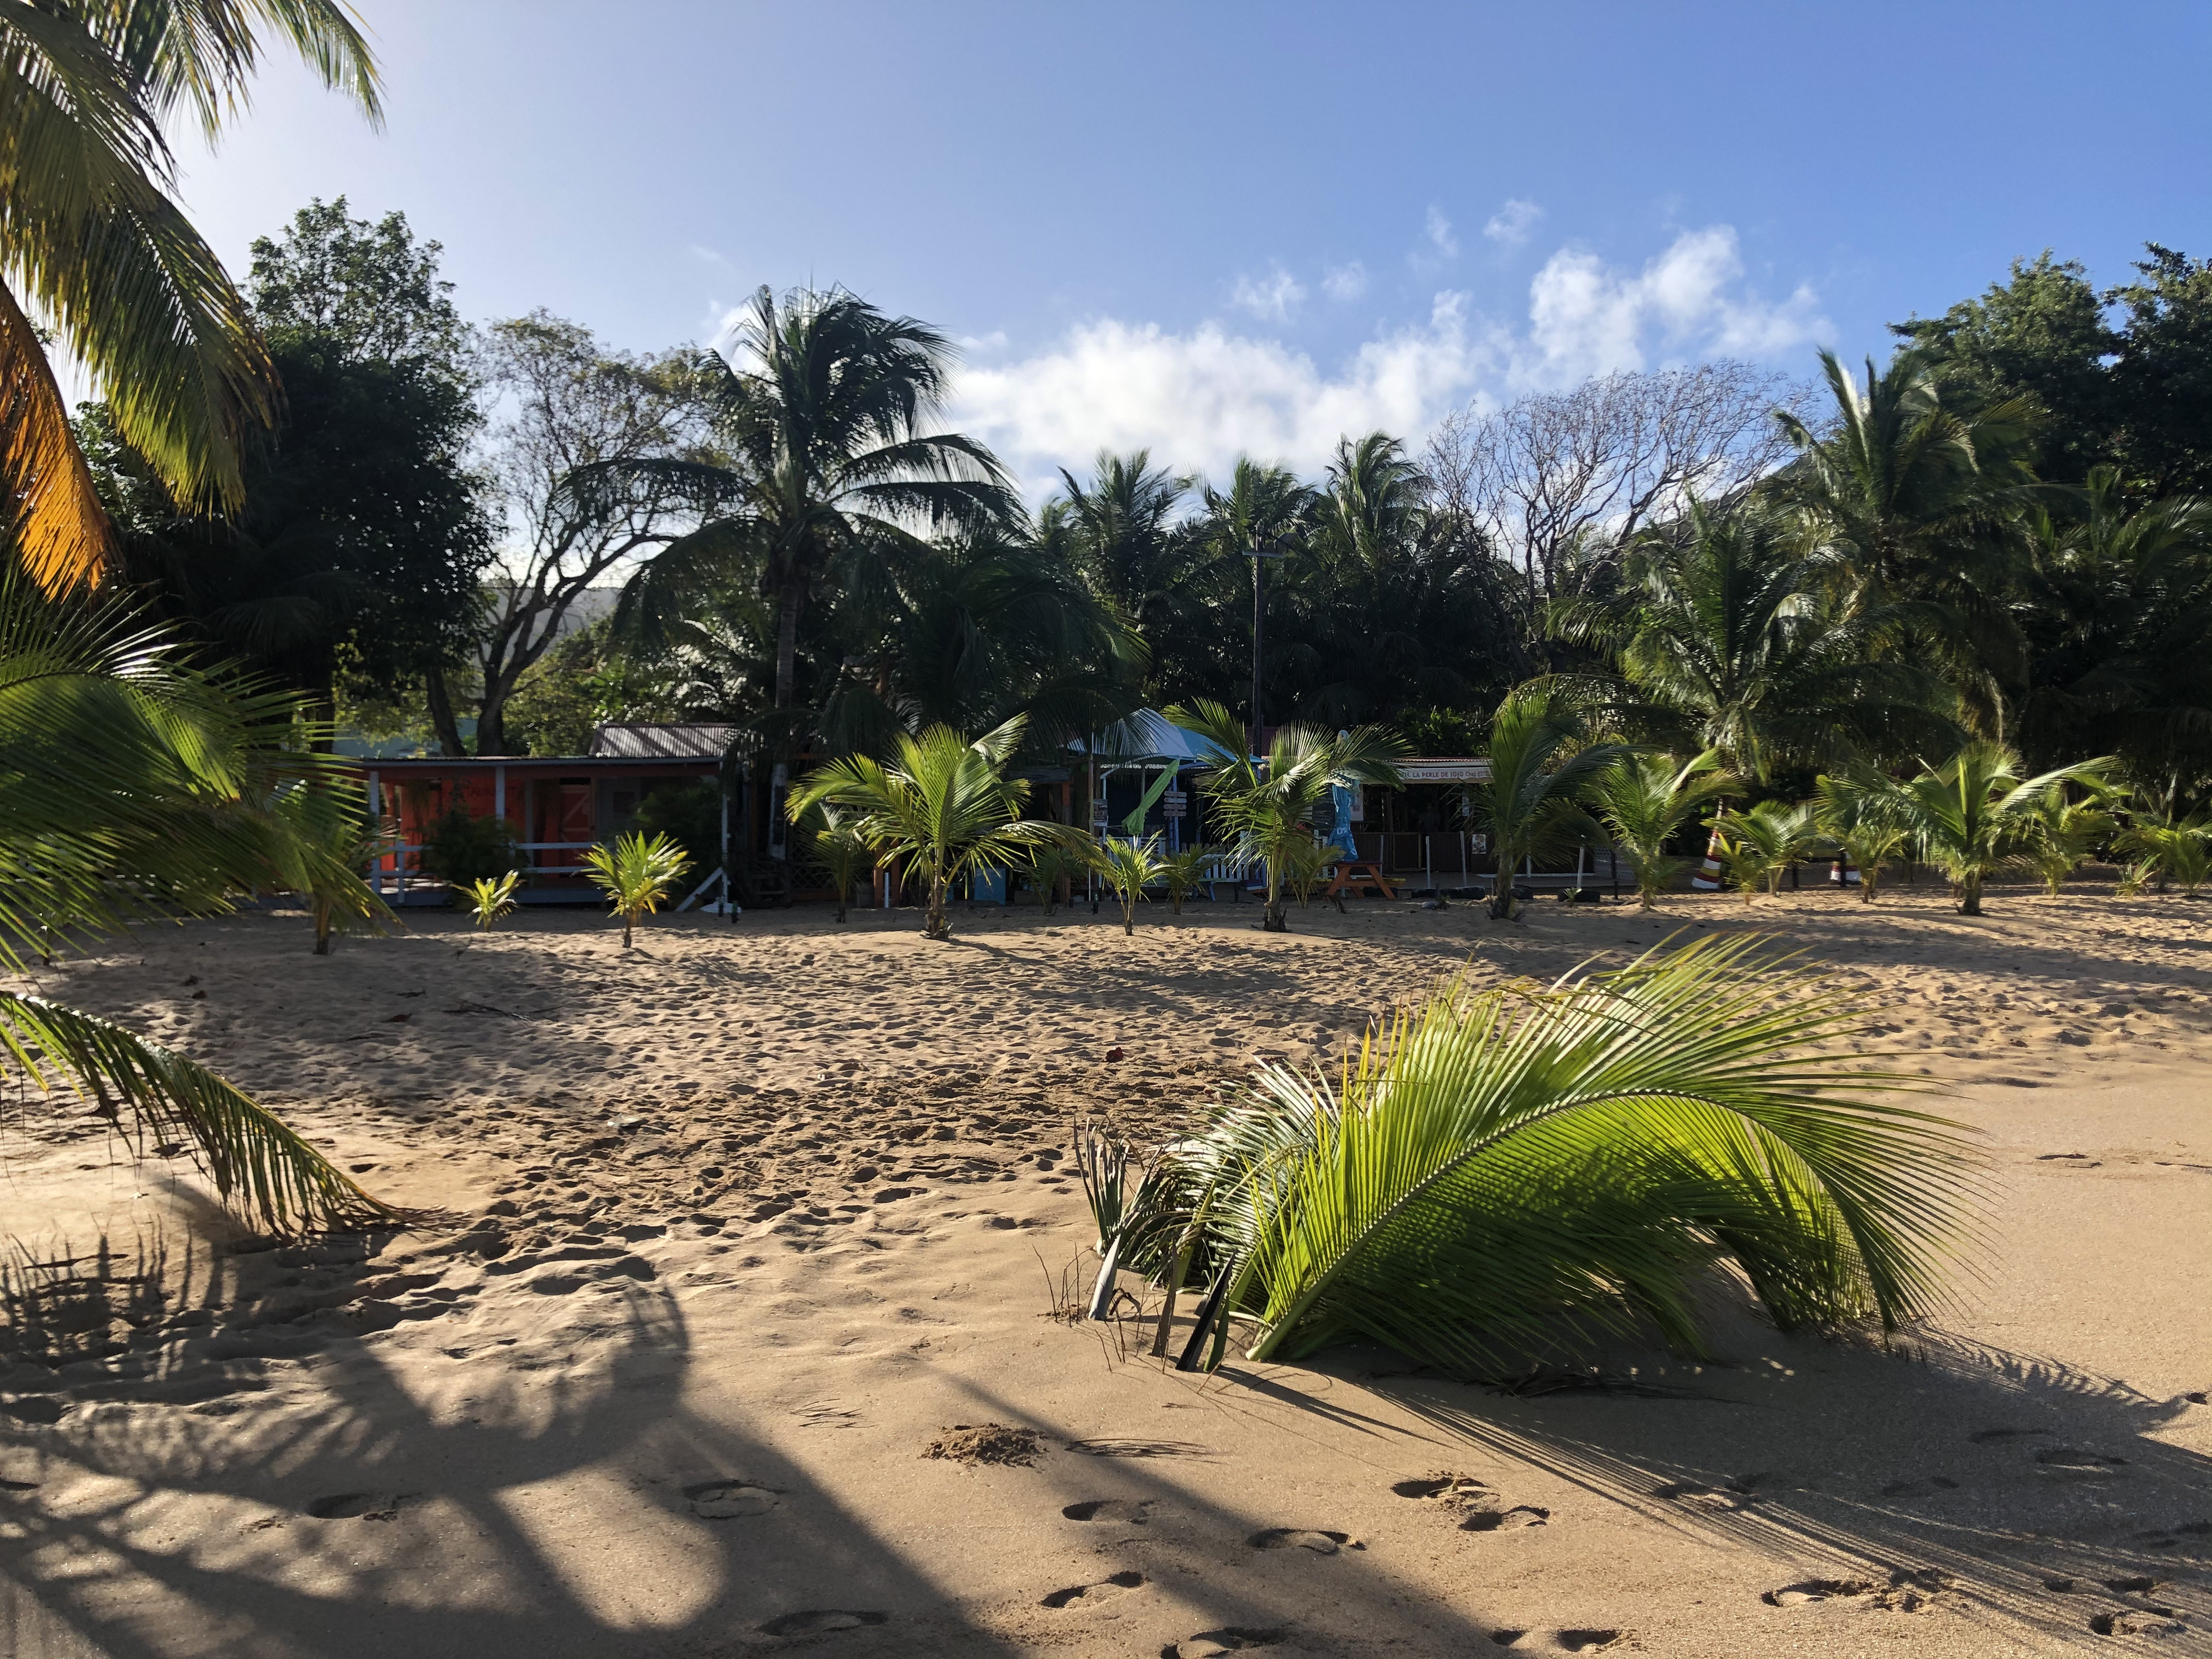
1222	228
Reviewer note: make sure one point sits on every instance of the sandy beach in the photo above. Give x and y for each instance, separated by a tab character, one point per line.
735	1228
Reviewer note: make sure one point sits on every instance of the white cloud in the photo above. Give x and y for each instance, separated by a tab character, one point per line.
1440	232
1344	282
994	341
1511	225
1271	300
1587	317
1200	398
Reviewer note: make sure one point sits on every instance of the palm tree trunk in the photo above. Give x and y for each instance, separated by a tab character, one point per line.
322	930
941	919
1970	894
786	643
627	920
1273	921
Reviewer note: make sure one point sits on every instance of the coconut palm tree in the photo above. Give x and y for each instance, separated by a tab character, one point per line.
91	236
1976	813
842	850
1642	800
2175	849
2119	607
1538	771
328	840
1128	866
1729	638
1506	1174
136	786
1758	845
2067	832
635	871
941	806
1267	806
833	476
1861	810
1916	493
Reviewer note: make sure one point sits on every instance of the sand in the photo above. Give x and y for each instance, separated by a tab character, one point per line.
739	1226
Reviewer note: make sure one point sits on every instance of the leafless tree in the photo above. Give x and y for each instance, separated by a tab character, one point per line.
558	402
1556	478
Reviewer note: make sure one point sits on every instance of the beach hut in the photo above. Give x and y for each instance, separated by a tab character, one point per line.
555	806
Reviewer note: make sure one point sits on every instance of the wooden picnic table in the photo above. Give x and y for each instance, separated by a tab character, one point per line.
1352	876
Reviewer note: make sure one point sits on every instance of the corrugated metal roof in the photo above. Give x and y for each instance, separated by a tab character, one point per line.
643	741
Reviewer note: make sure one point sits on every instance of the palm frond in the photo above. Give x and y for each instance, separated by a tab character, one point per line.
1510	1172
258	1163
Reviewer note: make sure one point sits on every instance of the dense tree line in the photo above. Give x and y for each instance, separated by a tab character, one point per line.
1999	533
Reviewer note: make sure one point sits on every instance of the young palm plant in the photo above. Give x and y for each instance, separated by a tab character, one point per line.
133	788
490	898
1129	867
1974	814
2067	833
1537	775
942	807
1758	845
635	873
1268	806
1053	863
1507	1174
842	850
2178	850
327	840
1863	811
1643	800
1184	872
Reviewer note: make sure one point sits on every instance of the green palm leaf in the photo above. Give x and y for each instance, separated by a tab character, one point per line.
1504	1173
257	1162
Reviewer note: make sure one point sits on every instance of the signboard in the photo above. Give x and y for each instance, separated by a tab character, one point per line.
1176	809
1444	771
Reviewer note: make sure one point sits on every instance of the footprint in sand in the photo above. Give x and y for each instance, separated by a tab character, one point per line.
820	1621
1512	1519
1587	1641
1211	1643
2159	1622
1092	1596
1126	1511
732	1500
358	1506
1302	1537
1902	1591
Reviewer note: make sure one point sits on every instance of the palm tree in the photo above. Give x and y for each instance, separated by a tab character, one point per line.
1264	515
833	476
1730	639
1184	872
1537	775
942	807
2067	832
1643	800
90	235
1975	813
2176	849
1128	866
1268	806
842	850
1503	1174
2119	604
1760	844
635	873
1917	494
1863	811
328	840
135	787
